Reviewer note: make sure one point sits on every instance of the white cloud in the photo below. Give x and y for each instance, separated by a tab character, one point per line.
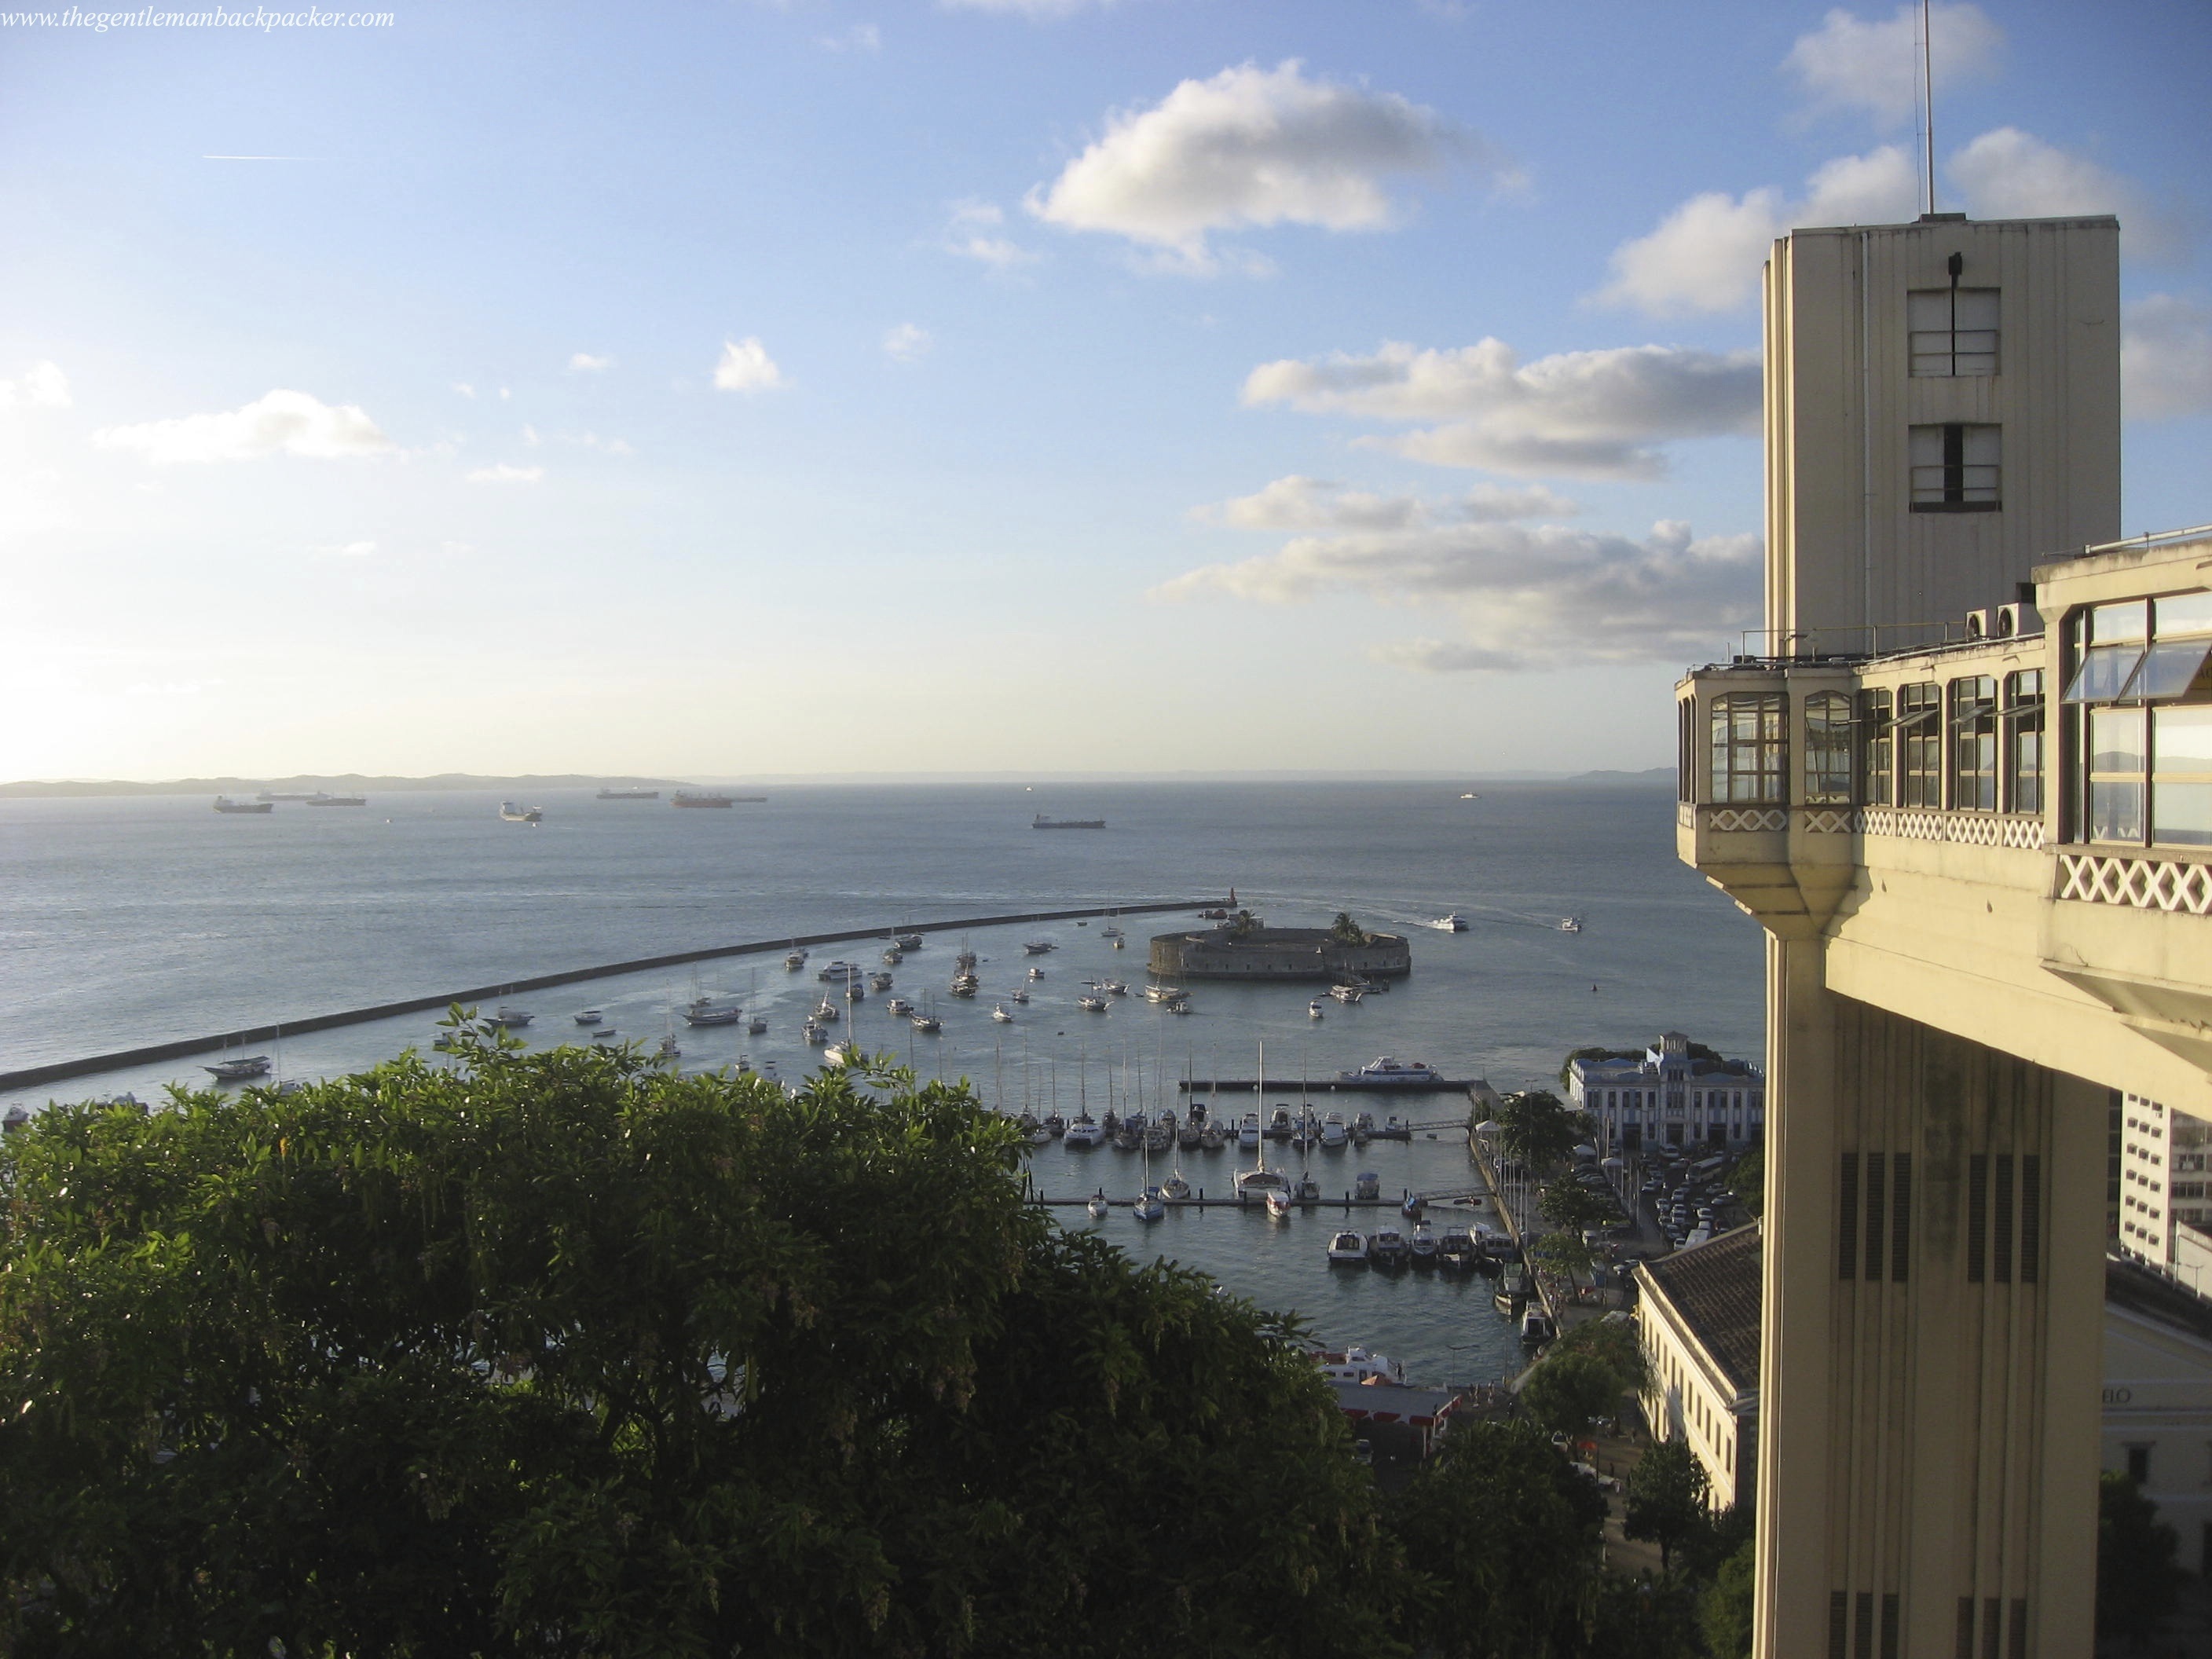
970	232
457	549
464	388
908	343
860	37
1848	63
592	440
1706	254
530	436
584	363
745	366
347	550
1301	503
505	474
277	423
2166	358
2010	174
1524	597
42	386
1254	146
1575	413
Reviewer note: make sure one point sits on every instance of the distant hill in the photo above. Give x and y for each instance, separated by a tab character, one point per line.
342	783
1653	777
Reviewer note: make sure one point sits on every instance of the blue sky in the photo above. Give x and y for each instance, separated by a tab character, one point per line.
829	387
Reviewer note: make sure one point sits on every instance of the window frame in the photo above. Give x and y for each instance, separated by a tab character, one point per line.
1953	482
2023	723
1767	746
1972	761
1830	772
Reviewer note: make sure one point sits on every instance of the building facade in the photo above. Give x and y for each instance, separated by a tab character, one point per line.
1697	1321
1669	1096
1964	784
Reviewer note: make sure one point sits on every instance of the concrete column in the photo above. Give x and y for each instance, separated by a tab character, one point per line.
1934	1295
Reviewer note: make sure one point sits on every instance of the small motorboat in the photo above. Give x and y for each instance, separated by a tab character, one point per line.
17	1118
1091	1005
1422	1246
590	1016
1150	1206
606	1034
1017	996
1571	924
899	1006
1175	1186
1278	1202
795	961
1453	923
929	1024
1036	972
1314	1009
1037	947
1387	1248
1333	1134
1347	1250
1367	1184
893	956
879	982
813	1033
1097	1207
510	1016
999	1011
1536	1326
1181	1007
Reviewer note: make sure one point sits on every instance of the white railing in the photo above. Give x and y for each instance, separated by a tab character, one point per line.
2021	832
2143	884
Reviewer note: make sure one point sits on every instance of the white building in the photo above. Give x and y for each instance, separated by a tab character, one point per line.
2155	1204
1670	1096
1698	1322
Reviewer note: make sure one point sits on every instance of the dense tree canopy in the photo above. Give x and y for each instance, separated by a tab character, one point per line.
2136	1578
559	1353
1535	1128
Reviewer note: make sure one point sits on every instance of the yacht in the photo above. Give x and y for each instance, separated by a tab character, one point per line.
1149	1207
1211	1138
1163	992
1333	1134
1394	1073
1258	1183
899	1006
1348	994
1097	1207
1278	1202
893	956
836	973
1347	1248
510	1016
238	1069
1314	1009
1248	1131
1083	1132
1280	1125
965	985
1453	923
826	1011
879	982
512	813
1000	1013
1037	947
1109	933
1422	1246
1359	1365
795	961
1175	1186
1367	1184
1091	1005
590	1016
1386	1248
1112	987
1036	972
907	941
710	1013
225	804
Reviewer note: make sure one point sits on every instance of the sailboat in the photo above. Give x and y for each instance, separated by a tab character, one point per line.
1260	1181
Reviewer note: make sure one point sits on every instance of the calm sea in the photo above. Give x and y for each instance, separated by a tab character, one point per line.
133	920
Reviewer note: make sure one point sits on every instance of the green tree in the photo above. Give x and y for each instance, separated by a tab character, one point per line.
1536	1129
1562	1254
1614	1341
2136	1577
560	1353
1345	930
1667	1498
1746	1179
1508	1540
1645	1619
1724	1611
1568	1390
1570	1205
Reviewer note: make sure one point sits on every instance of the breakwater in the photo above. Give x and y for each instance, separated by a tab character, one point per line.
32	1075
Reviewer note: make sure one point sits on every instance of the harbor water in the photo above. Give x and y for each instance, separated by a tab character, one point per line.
133	920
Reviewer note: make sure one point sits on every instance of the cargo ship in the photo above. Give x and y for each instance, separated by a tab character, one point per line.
225	804
710	797
628	795
1040	822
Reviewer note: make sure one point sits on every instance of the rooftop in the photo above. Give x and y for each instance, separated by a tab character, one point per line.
1715	1287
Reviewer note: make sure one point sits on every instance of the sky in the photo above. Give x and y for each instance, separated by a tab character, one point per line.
971	385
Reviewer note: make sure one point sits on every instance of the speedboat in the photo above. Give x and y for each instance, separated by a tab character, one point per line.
1394	1073
1279	1203
1387	1248
591	1016
1248	1131
813	1033
1314	1009
1175	1186
1091	1005
1347	994
1422	1246
1149	1205
1348	1249
511	1017
1453	923
1571	924
999	1013
1280	1125
1097	1207
1367	1184
238	1070
1333	1134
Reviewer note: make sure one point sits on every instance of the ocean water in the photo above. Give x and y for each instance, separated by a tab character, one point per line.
138	920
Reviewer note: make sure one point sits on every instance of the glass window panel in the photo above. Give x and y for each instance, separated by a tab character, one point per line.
2169	669
2181	813
2116	740
2105	669
2182	738
2116	811
2184	613
2109	624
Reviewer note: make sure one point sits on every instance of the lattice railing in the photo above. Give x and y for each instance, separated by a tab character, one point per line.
2021	833
2143	884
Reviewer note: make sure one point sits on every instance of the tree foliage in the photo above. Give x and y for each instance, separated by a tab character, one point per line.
1569	1391
1667	1498
1570	1205
1564	1254
1345	930
2136	1577
1536	1129
1508	1538
1614	1342
1724	1611
1746	1179
560	1354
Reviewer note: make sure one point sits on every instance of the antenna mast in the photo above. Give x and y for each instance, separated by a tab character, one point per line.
1927	96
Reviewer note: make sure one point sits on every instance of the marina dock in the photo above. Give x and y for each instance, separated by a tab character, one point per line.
1442	1085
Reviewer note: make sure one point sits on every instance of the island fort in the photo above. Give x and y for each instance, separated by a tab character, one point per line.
1245	947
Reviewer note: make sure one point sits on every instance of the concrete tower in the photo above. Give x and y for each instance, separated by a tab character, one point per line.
1963	963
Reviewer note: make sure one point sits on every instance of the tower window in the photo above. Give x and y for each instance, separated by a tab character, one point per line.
1875	759
2023	739
1956	468
1974	744
1920	745
1953	331
1828	733
1750	746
